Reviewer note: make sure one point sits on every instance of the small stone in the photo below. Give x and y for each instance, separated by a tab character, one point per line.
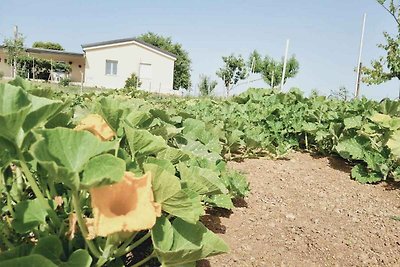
290	216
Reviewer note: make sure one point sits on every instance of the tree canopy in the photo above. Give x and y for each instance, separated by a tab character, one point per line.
182	63
232	72
271	70
48	45
386	67
206	85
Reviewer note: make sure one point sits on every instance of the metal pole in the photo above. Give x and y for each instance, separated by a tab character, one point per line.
284	64
357	89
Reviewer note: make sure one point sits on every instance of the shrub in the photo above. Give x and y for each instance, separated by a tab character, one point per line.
64	81
132	81
1	75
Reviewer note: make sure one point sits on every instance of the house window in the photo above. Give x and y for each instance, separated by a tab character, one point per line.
111	67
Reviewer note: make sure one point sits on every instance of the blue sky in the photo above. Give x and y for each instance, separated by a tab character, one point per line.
324	35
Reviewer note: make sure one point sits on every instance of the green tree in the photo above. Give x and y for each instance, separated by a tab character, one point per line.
14	49
206	85
48	45
182	63
271	70
132	82
342	94
386	67
232	72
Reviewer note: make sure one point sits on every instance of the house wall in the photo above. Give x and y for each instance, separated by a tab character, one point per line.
4	67
129	57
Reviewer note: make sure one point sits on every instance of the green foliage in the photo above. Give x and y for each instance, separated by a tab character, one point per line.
52	161
271	70
341	94
132	82
206	85
48	45
65	81
182	63
14	49
232	72
386	67
42	67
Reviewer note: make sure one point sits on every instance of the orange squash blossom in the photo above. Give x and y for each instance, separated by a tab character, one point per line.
95	124
127	206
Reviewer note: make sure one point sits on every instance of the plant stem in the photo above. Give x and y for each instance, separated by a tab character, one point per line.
75	200
133	246
152	255
106	253
125	244
52	214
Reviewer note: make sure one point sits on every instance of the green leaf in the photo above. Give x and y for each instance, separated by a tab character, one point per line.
17	252
28	215
14	107
197	149
49	247
28	261
8	152
203	181
362	175
71	149
353	122
165	183
103	170
351	148
394	143
386	121
182	242
42	109
143	143
174	155
80	258
185	204
64	153
220	201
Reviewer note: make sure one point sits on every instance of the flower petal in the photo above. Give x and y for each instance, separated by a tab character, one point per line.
127	206
95	124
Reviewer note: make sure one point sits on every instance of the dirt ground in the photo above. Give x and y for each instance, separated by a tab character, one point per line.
306	211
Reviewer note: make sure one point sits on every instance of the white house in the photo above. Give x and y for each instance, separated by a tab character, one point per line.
108	64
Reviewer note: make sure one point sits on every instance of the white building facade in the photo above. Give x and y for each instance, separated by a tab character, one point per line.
108	64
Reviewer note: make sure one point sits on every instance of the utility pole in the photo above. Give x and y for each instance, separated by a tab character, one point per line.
358	79
284	64
15	58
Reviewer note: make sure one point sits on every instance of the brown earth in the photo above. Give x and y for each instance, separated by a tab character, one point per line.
306	211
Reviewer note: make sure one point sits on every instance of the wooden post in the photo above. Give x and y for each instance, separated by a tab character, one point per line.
357	89
33	68
81	82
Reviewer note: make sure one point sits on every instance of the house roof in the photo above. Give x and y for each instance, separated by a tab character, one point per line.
125	40
48	51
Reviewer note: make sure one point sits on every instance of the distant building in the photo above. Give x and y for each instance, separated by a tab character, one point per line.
75	60
108	64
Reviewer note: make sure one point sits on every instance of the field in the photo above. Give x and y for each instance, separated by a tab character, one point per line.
126	177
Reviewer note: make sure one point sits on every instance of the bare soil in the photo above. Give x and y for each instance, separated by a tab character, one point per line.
306	211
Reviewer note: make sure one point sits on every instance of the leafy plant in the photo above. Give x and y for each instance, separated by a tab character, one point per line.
133	82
